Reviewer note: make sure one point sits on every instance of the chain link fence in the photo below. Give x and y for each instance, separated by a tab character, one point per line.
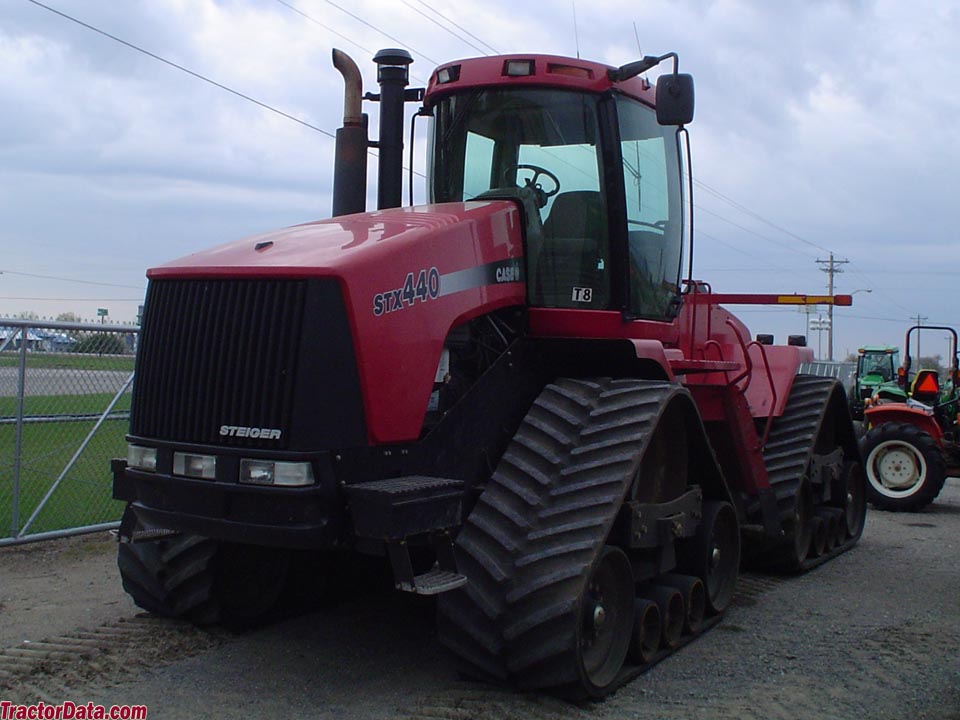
64	412
841	370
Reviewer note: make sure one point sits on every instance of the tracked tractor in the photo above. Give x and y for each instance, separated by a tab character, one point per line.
516	394
913	443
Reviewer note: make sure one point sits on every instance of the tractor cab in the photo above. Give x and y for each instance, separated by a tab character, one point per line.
880	362
876	377
581	148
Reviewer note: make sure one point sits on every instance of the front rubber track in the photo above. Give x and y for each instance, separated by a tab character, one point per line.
530	542
172	577
816	410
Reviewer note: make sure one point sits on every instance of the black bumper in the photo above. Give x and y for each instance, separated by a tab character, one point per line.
309	517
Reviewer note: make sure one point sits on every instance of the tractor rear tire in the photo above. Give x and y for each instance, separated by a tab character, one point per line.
905	467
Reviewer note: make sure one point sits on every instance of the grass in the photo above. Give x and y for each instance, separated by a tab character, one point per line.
34	405
84	495
69	361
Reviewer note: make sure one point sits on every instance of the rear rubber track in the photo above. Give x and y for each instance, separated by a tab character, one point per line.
788	453
530	542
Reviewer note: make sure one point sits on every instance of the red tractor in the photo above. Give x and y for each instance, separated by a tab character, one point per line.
511	393
913	443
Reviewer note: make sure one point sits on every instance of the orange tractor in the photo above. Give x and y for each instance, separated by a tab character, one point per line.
913	443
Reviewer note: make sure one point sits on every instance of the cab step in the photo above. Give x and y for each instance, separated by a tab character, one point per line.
396	508
420	508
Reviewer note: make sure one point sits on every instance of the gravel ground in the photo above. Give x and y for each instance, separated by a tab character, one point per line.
873	634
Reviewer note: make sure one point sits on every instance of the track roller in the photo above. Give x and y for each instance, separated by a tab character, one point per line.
669	600
645	640
694	599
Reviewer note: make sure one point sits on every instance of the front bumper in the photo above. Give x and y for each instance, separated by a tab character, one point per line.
308	517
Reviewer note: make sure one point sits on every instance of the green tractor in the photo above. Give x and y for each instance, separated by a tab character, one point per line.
876	367
913	443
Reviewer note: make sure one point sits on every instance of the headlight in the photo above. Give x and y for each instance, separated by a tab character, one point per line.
269	472
195	466
142	458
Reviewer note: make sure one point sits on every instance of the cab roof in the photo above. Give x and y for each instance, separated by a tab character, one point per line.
531	70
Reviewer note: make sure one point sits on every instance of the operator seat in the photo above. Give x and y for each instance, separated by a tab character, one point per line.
571	256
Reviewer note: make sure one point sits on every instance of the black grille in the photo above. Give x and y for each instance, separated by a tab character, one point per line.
246	353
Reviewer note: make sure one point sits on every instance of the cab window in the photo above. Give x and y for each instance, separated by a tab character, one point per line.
654	210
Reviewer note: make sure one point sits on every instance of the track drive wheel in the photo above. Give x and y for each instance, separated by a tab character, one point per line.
713	554
904	465
194	578
606	620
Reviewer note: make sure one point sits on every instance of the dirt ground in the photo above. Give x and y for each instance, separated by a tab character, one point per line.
873	634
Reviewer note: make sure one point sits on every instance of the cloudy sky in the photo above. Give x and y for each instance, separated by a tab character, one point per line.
822	126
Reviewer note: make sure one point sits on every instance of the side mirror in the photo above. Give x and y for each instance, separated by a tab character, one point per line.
675	99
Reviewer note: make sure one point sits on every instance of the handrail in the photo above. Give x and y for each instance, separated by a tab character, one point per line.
748	371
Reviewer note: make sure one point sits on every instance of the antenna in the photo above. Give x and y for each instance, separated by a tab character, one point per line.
636	35
576	34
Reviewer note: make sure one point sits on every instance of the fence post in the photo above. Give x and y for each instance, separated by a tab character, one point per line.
76	455
18	441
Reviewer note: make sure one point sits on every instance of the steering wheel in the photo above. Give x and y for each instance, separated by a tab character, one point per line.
532	181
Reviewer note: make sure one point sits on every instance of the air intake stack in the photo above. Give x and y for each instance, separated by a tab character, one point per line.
393	74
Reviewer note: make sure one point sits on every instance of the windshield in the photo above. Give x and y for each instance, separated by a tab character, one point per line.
877	363
488	143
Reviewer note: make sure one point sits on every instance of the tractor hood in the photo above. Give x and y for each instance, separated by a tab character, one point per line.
339	245
406	276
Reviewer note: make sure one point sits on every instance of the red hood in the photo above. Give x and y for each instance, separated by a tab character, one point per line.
408	276
330	247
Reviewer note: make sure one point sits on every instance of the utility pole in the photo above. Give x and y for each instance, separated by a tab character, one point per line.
832	268
919	318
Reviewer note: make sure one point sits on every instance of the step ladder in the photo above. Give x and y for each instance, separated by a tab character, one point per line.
398	509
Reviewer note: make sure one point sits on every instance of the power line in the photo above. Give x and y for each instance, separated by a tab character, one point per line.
70	299
73	280
382	32
747	211
444	27
701	233
192	73
326	27
181	68
312	19
752	232
459	27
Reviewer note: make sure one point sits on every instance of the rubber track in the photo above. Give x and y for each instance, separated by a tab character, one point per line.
172	578
790	446
530	542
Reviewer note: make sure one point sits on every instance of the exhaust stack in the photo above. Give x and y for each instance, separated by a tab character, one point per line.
350	157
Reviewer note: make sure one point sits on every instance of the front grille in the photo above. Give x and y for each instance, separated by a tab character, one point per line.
218	352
